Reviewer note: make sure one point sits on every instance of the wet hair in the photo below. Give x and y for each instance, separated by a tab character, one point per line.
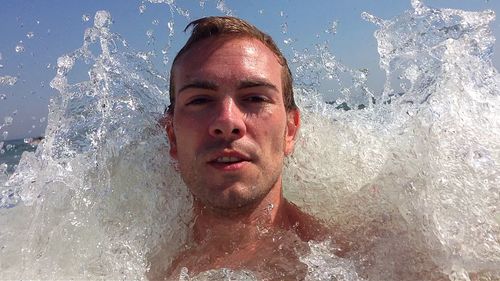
231	27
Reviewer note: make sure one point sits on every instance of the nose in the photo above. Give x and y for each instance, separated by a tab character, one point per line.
228	122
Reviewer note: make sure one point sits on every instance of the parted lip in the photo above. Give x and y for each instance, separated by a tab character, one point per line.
228	153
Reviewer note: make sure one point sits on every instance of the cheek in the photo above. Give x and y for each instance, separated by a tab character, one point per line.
187	125
186	133
273	133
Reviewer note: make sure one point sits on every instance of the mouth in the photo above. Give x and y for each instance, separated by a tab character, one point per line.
229	161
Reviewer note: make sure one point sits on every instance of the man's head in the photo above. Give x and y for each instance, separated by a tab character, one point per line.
211	27
230	123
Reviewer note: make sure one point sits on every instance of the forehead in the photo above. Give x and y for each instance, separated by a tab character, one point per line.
227	59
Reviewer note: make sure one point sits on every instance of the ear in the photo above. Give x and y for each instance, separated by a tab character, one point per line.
167	123
292	128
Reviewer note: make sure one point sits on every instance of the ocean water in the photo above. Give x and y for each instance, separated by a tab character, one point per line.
11	152
10	155
411	179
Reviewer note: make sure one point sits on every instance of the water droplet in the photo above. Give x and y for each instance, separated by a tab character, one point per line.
49	65
282	14
269	207
284	28
142	8
85	17
0	56
20	47
1	65
333	28
30	34
8	80
373	19
183	12
143	55
155	22
65	62
102	19
149	33
221	6
170	25
42	119
261	12
419	6
37	22
8	120
202	3
3	97
5	134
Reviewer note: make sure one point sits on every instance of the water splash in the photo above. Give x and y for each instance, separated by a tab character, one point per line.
8	120
20	47
415	160
333	28
221	6
393	177
8	80
142	8
85	17
313	67
70	188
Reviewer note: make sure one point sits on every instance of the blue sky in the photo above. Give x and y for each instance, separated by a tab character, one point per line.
49	29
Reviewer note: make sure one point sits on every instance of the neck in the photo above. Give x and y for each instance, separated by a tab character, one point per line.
243	224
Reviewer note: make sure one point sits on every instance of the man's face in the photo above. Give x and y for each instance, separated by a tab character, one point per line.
230	131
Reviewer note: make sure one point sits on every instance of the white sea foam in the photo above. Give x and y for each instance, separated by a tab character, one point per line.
411	181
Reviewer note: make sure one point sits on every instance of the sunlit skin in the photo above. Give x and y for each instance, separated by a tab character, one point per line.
229	103
230	133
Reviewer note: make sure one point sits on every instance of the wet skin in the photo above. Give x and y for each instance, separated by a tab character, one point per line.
271	252
230	133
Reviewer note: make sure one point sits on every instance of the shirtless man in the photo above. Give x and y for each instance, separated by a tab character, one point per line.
231	123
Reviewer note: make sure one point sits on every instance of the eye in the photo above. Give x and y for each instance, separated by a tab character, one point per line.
257	99
198	101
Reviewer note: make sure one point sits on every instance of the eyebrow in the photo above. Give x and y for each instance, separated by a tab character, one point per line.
244	84
199	84
250	83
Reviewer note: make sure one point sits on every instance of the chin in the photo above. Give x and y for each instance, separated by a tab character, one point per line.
234	200
228	204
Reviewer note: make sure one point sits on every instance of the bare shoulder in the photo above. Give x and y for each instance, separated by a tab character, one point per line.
306	226
309	228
